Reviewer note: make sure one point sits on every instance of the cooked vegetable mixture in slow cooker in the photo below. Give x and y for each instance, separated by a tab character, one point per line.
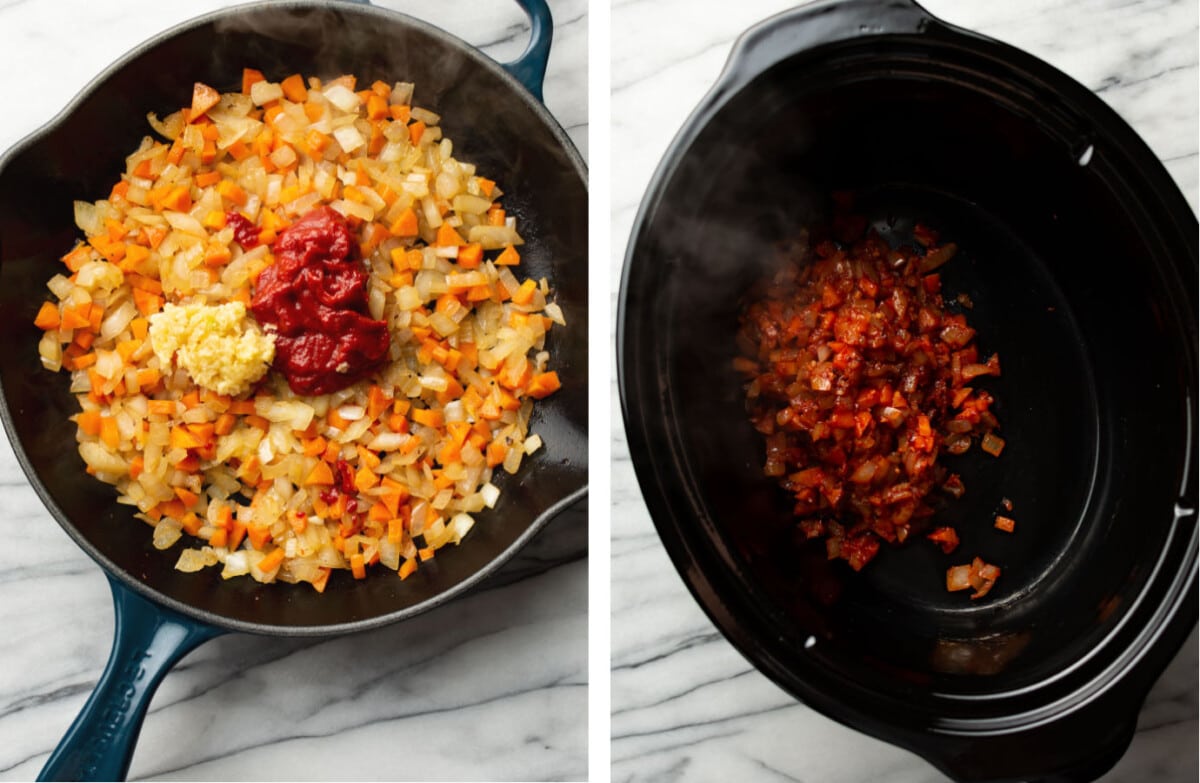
859	377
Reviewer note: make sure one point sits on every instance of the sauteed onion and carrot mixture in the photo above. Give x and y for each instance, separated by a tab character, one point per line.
297	334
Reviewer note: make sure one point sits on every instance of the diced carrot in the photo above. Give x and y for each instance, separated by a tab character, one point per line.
313	111
182	438
126	348
314	447
238	150
448	237
191	523
249	77
203	99
154	236
112	251
320	475
401	113
202	430
207	178
486	185
1007	524
317	142
377	107
89	422
405	224
272	561
356	566
178	199
543	385
257	421
368	458
407	568
524	294
231	191
496	452
416	131
140	327
115	229
259	535
508	257
159	407
237	532
242	407
496	215
335	420
95	317
217	255
186	497
425	553
77	257
377	402
450	452
332	450
134	256
378	513
470	256
80	362
321	579
294	89
47	317
427	417
175	154
76	318
191	399
365	479
395	530
119	191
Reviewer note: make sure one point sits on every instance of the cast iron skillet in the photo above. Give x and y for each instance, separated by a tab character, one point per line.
1081	257
491	112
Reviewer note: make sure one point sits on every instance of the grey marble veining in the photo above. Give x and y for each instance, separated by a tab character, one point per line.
686	705
492	686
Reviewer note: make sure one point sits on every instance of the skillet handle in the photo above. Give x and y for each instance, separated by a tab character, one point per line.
150	639
530	68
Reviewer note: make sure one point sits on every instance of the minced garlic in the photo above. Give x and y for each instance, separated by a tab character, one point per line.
216	344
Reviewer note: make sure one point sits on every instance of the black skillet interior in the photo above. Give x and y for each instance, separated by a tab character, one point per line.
1080	258
492	122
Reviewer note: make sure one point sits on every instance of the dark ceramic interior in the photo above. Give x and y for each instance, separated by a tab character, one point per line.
1080	257
492	122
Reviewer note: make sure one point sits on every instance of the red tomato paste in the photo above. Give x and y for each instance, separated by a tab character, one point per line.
314	298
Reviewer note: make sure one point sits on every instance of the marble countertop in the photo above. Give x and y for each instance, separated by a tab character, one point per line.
685	704
491	686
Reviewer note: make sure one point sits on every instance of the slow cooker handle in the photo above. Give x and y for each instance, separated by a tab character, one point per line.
816	24
530	68
150	639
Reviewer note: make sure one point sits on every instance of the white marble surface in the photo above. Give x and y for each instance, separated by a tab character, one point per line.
686	705
492	686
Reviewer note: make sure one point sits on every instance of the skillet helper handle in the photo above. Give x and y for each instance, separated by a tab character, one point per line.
530	68
150	639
